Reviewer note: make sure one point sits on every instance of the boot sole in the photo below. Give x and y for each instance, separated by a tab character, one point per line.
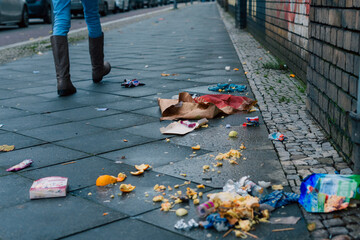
66	92
106	73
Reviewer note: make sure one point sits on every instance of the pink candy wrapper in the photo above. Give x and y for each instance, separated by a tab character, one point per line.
22	165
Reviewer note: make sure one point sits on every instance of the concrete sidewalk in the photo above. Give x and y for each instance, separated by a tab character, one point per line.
193	46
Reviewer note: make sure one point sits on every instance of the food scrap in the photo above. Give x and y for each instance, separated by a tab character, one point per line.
6	148
126	188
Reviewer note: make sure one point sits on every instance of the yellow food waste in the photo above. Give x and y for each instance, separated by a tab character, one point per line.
104	180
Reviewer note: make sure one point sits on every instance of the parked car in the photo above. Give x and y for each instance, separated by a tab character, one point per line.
150	3
40	9
14	12
135	4
104	7
122	5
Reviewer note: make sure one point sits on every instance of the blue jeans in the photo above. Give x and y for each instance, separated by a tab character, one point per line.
62	17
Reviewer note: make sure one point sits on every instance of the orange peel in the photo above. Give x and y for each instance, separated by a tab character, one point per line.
197	147
121	177
104	180
137	173
142	167
126	188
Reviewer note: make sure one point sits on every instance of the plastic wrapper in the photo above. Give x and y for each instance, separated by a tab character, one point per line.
243	187
328	192
49	187
24	164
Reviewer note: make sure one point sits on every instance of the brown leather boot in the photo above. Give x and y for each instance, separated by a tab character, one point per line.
99	67
60	49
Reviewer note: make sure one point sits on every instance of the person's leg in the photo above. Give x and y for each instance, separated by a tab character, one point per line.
62	17
92	18
59	43
96	40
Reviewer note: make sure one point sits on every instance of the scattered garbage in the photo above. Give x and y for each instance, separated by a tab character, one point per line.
226	87
6	148
251	121
277	187
243	187
181	225
264	184
233	134
197	147
206	106
1	125
104	180
205	209
284	220
24	164
49	187
101	109
227	68
328	192
181	212
126	188
277	136
228	126
36	72
278	199
182	127
131	83
292	75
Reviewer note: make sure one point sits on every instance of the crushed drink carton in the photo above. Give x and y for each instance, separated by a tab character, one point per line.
49	187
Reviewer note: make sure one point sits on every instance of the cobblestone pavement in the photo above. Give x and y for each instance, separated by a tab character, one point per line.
282	101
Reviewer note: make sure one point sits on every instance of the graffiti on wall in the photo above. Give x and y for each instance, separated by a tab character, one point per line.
296	14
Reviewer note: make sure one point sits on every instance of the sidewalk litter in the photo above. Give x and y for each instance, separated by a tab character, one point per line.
226	87
251	121
328	192
131	83
49	187
182	127
24	164
207	106
277	136
6	148
278	199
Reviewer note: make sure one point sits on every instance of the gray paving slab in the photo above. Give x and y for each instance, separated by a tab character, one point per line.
135	202
167	220
150	130
20	141
8	113
14	102
30	122
50	106
10	196
261	165
104	141
81	173
130	104
61	131
53	218
151	111
43	155
129	229
156	154
122	120
83	113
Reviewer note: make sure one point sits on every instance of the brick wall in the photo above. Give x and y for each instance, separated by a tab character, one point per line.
333	70
282	26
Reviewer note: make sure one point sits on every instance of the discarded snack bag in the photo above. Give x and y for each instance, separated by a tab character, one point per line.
182	127
49	187
277	136
251	121
328	192
131	83
20	166
226	87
